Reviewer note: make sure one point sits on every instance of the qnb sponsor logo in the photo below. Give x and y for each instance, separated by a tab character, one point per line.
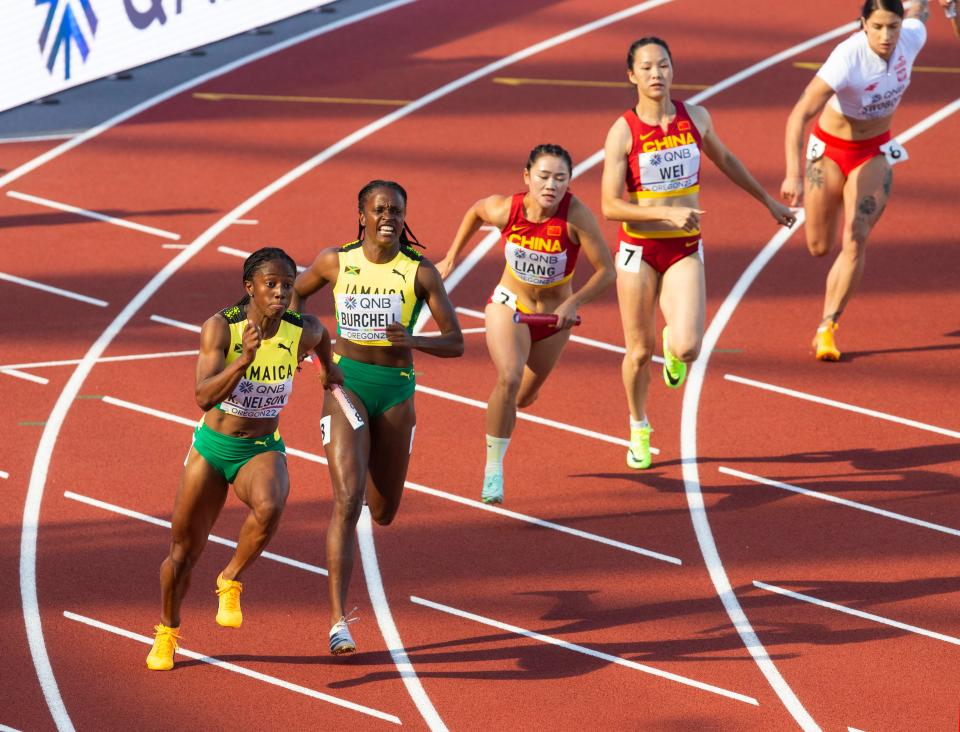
61	31
671	156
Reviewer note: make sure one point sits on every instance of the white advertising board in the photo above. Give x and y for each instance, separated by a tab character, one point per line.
50	45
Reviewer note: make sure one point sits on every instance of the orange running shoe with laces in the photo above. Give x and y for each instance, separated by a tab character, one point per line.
824	343
229	614
165	645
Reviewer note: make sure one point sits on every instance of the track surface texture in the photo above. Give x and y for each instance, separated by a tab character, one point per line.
852	512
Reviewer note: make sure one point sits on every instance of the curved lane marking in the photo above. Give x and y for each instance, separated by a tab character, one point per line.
688	451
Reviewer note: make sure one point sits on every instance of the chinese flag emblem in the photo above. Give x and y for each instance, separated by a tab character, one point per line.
683	125
553	231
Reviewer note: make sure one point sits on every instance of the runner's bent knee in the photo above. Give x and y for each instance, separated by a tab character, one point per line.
639	355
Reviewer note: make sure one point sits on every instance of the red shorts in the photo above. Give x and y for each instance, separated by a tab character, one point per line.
661	254
848	154
502	296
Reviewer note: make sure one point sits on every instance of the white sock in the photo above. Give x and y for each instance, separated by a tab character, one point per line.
637	424
496	449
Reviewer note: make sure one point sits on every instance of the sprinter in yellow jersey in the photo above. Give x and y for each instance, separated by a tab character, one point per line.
379	284
248	355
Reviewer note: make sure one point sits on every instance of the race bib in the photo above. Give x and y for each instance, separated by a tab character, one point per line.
537	267
503	296
629	257
364	318
894	152
670	169
815	148
325	430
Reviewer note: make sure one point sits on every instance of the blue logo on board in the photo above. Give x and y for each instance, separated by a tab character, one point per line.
67	32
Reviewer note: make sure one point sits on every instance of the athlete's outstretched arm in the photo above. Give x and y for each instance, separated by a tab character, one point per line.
323	270
731	166
429	288
809	105
494	210
585	230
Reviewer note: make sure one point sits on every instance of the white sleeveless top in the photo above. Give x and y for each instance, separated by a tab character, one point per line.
866	86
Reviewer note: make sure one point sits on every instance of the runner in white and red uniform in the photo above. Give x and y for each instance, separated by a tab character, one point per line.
654	151
849	153
542	230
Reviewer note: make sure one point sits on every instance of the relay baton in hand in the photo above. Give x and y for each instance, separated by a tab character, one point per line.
353	416
539	318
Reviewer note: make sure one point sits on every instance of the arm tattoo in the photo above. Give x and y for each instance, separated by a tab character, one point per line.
814	175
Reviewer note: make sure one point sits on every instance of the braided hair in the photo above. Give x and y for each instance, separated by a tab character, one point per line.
257	260
407	237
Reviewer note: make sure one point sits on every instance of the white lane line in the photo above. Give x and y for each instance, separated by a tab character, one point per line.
842	405
233	252
36	138
464	331
48	438
688	450
150	411
146	518
226	666
55	290
175	323
142	228
246	222
839	501
26	377
583	432
686	681
602	345
542	523
856	613
381	608
4	474
3	727
105	359
173	246
419	488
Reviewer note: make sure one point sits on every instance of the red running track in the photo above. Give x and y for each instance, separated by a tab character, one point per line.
460	580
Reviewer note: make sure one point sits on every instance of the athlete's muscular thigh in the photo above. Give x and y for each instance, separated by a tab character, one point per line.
263	482
865	197
822	198
390	442
347	450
